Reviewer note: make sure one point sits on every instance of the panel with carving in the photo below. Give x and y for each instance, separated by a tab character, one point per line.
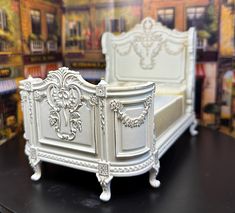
148	52
64	98
66	111
147	44
131	126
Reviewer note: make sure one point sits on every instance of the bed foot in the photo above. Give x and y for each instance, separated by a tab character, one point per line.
105	182
35	163
192	128
37	172
153	174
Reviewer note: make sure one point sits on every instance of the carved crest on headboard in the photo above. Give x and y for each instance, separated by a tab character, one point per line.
147	41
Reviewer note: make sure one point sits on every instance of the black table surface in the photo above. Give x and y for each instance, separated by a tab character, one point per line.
197	175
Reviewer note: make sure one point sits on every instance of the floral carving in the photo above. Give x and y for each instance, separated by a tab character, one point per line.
38	96
101	90
116	106
65	99
54	119
148	43
94	100
148	102
27	86
147	47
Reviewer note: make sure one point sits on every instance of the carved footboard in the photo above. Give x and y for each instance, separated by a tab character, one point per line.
104	129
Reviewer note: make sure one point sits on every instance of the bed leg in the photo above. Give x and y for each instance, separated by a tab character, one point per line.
153	174
35	163
105	182
192	128
37	172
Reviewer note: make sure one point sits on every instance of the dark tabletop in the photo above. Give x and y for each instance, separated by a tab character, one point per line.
197	175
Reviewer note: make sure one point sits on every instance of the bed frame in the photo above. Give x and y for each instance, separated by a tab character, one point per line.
113	128
152	52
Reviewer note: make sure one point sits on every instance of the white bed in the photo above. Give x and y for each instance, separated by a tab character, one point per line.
120	127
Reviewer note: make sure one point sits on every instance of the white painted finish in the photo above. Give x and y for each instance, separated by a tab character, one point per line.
151	52
108	129
105	129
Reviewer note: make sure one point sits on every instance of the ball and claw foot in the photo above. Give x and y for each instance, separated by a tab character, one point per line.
192	128
37	172
152	177
105	183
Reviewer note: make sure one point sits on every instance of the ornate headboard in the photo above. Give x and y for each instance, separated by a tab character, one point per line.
151	52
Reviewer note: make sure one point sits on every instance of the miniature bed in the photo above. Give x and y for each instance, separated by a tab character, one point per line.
152	52
119	127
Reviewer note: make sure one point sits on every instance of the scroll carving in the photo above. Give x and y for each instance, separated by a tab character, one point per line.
148	43
39	96
65	99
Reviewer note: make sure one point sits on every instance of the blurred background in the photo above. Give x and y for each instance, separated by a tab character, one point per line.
37	36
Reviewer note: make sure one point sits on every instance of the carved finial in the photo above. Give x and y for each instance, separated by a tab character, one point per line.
63	68
148	23
101	88
30	77
102	82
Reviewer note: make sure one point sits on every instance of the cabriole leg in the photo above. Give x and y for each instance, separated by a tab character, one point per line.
37	172
105	182
192	128
153	174
104	178
35	164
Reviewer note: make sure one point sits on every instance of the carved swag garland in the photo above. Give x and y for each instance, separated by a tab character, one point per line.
117	107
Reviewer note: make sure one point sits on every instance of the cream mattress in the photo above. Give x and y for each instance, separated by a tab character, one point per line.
167	109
